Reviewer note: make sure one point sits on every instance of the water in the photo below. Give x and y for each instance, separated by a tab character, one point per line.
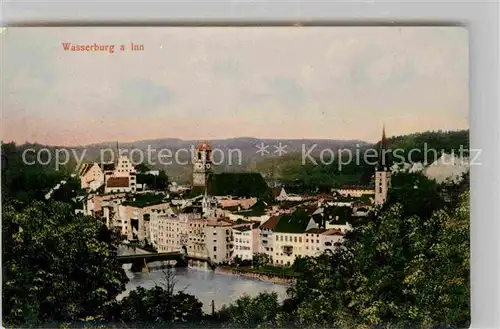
205	284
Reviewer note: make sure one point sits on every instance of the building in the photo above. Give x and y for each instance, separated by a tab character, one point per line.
320	240
91	176
354	191
382	173
94	204
246	240
202	165
168	230
288	240
135	221
94	175
218	238
118	185
266	231
196	231
280	193
236	202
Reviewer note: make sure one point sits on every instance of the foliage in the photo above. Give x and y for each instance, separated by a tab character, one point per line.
261	259
25	182
142	168
57	266
345	170
160	304
401	266
251	312
153	182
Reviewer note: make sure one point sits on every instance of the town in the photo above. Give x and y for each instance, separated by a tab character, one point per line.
222	223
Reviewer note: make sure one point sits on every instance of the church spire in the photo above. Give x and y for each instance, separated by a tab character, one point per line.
383	156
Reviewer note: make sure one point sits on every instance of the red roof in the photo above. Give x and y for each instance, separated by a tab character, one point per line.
117	182
204	147
271	223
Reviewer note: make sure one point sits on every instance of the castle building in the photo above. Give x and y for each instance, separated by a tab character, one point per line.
202	165
382	172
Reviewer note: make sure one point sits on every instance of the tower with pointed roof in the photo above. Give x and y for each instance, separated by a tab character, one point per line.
202	165
382	172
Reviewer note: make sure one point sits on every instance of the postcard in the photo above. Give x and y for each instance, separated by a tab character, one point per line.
259	176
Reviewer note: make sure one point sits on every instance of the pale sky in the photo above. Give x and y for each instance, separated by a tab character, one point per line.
223	82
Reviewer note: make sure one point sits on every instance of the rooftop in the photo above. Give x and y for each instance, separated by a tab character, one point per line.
145	200
295	222
242	228
239	185
219	222
270	224
316	230
117	182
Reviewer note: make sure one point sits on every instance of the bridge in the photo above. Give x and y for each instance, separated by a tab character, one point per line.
139	261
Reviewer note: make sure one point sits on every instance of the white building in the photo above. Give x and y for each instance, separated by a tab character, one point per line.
168	230
354	191
91	176
218	238
123	178
266	231
243	242
318	241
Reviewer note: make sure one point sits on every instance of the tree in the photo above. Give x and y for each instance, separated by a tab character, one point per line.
261	259
160	304
250	312
142	168
394	268
57	266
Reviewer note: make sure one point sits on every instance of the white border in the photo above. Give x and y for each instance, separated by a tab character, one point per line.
480	17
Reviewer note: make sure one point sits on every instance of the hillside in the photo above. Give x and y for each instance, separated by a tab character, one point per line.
305	177
232	155
240	154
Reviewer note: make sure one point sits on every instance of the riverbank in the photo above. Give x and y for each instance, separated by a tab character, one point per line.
261	274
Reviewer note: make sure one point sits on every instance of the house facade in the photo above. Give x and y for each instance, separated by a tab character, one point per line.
243	242
266	231
91	176
218	238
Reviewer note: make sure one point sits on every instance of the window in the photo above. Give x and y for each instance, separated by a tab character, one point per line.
300	239
307	240
317	241
294	239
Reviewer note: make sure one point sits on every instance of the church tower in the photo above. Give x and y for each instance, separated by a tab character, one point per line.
382	172
202	165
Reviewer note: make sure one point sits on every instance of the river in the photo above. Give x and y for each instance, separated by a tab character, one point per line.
202	282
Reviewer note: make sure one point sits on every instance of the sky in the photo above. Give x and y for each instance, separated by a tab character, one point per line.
207	83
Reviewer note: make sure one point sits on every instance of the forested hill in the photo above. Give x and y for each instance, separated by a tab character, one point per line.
291	166
174	155
300	171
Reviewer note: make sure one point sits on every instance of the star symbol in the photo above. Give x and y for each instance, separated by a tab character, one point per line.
262	149
280	149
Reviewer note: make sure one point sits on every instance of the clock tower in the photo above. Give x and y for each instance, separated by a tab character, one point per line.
202	164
